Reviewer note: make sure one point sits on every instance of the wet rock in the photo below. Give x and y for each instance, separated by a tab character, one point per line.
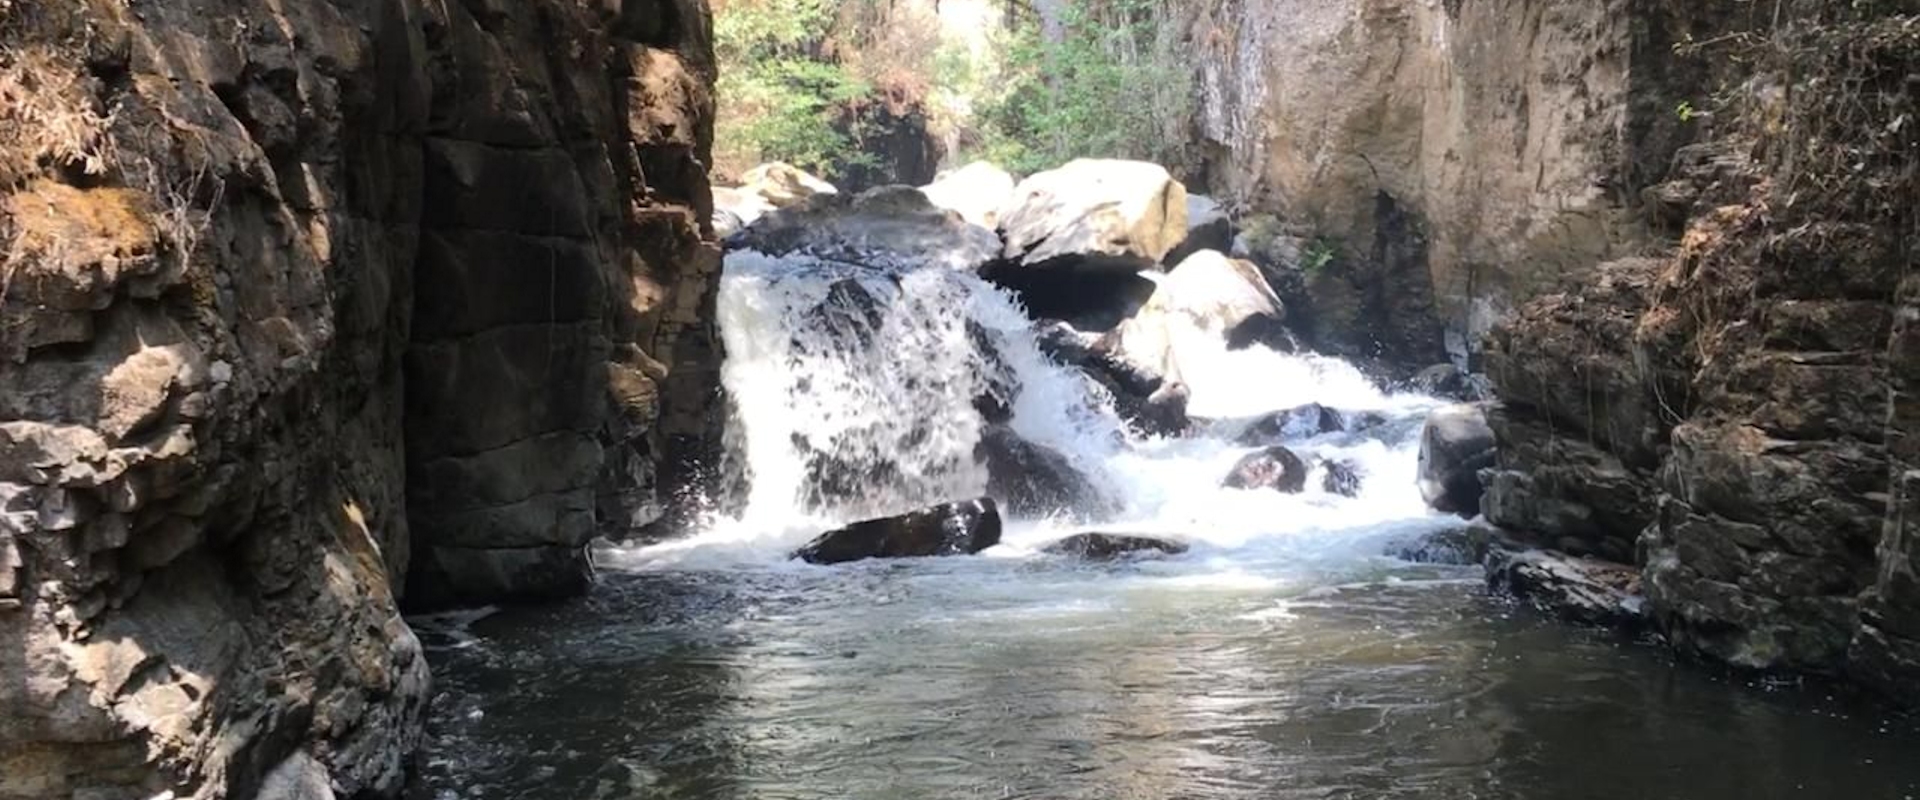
1208	228
1462	546
995	403
1584	590
1291	425
1207	299
891	226
1032	480
1105	546
976	192
1340	477
1455	445
1450	382
1151	405
943	530
1076	239
1275	468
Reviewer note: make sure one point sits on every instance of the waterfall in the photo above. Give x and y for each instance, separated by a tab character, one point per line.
855	388
859	392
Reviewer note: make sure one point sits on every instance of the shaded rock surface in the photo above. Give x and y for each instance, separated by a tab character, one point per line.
1275	468
1151	405
944	530
1585	590
1105	546
364	291
1208	228
1455	445
1032	480
883	227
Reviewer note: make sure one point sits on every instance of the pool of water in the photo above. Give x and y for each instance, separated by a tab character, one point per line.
1297	671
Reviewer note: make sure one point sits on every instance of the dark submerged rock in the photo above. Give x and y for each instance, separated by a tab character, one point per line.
1455	446
944	530
1033	480
1104	546
1291	424
1275	468
1340	477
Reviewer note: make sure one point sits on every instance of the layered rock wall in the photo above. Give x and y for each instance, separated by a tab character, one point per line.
1466	155
1738	411
299	298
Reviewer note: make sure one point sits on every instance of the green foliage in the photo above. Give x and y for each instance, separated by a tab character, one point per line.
777	94
1106	80
1685	111
1318	256
1110	83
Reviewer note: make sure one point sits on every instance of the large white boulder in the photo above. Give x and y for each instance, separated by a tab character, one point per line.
976	192
1129	212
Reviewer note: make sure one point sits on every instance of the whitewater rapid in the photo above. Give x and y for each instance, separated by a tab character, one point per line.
883	366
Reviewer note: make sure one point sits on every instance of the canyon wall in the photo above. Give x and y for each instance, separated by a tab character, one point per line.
305	303
1464	154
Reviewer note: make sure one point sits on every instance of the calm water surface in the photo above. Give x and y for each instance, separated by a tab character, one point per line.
1037	678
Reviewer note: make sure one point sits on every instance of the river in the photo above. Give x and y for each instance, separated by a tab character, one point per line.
1294	652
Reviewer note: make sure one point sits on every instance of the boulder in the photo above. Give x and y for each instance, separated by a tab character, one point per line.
892	226
1106	546
1207	298
1128	213
1275	468
1450	382
1455	445
1582	590
783	185
1078	237
1151	405
976	192
944	530
1032	480
735	209
1463	546
1291	425
1208	228
1340	477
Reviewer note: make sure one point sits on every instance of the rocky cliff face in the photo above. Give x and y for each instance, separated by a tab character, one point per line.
1465	155
304	299
1733	419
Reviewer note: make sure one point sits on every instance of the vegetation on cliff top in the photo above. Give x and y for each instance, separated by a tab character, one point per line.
1101	78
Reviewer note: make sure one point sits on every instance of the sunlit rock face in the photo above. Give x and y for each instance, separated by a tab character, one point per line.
300	299
1465	155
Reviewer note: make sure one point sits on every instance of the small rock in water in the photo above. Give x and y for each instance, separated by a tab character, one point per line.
1583	590
1454	446
1103	546
1342	477
1291	424
943	530
1275	468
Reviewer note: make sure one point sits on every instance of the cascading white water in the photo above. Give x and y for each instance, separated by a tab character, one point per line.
855	395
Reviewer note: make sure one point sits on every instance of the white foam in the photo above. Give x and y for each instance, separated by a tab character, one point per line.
905	397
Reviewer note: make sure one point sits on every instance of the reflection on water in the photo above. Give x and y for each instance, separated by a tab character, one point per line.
1011	678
